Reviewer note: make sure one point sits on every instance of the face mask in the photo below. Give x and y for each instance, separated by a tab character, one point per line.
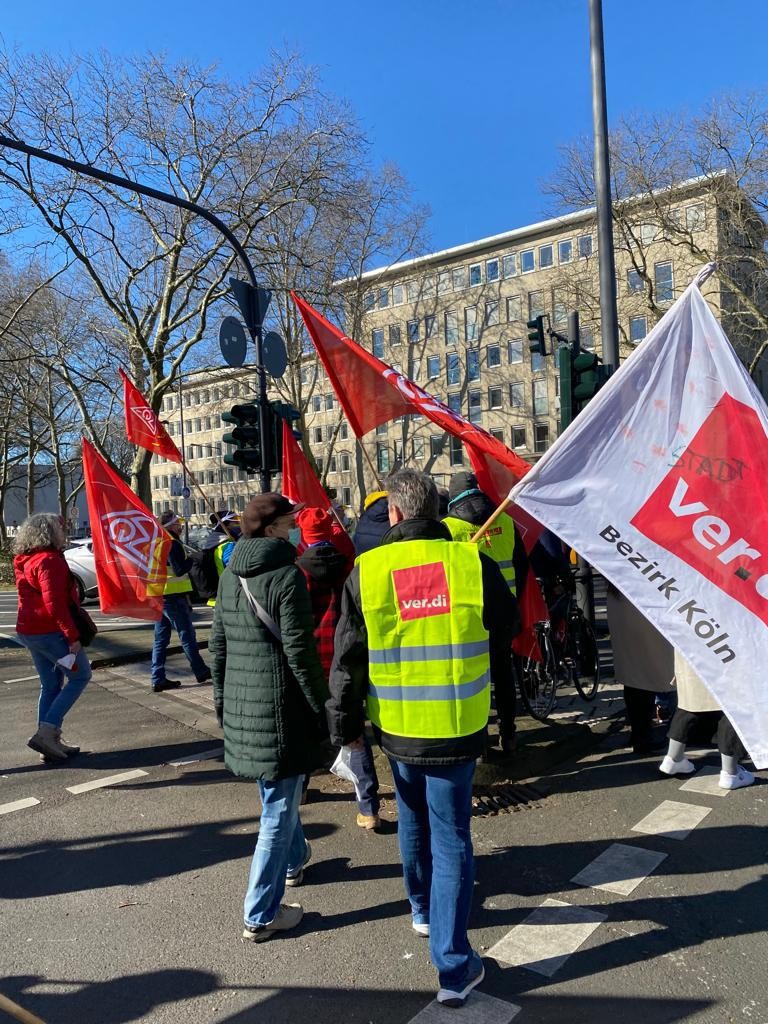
294	536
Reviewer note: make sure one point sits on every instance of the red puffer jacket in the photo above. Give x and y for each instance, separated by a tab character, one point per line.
46	590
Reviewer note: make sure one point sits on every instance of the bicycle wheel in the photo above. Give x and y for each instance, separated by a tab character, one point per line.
538	681
585	657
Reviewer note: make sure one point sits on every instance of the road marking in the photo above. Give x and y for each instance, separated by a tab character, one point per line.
620	869
21	679
110	780
18	805
547	937
705	781
479	1009
205	755
672	820
12	637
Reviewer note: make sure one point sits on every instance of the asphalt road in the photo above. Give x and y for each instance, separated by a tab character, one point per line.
124	903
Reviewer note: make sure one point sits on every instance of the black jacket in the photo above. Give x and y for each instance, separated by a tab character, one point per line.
477	509
349	671
371	526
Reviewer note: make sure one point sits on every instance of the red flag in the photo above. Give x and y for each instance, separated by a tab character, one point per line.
130	548
371	392
142	427
300	484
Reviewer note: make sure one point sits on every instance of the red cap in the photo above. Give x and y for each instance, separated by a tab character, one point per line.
315	525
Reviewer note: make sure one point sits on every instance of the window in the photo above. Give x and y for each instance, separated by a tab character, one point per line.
493	356
305	374
317	435
470	323
475	274
559	307
491	312
648	233
382	458
492	270
536	304
377	338
207	422
417	447
344	461
494	398
540	437
443	282
415	369
587	338
665	288
565	251
538	363
695	217
394	334
638	328
473	364
412	290
430	326
498	433
514	308
332	465
540	400
454	402
319	464
433	367
516	395
369	302
509	264
527	261
398	295
634	281
585	246
451	327
346	495
518	437
453	368
475	407
546	256
383	298
382	429
435	445
317	403
343	432
515	351
412	328
459	278
398	454
455	451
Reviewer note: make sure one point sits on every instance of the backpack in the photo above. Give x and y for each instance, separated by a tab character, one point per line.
203	573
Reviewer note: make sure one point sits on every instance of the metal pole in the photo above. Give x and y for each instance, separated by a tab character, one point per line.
184	204
184	501
609	322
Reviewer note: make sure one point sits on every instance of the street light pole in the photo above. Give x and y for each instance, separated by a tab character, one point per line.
184	498
609	322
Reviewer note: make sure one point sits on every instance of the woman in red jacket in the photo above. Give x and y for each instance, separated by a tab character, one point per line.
46	593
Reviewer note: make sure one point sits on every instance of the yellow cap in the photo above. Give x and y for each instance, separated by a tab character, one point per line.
373	496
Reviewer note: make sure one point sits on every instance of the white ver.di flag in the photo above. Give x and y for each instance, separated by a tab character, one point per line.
662	484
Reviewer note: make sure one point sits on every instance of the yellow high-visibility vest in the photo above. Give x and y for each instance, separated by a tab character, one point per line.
498	542
428	656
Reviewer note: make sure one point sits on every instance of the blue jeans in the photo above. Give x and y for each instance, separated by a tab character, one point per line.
177	614
434	807
367	787
280	848
59	688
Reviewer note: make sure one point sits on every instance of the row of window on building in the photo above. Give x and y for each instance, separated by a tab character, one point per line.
390	456
203	396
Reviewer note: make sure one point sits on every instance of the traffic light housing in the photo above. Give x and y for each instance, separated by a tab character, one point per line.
246	438
585	379
536	336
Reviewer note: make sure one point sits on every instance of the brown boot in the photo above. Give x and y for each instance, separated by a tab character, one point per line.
45	741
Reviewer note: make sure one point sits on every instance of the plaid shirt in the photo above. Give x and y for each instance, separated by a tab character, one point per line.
325	570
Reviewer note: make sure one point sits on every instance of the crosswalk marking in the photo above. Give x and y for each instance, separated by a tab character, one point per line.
547	937
619	869
204	755
21	679
478	1009
672	820
705	781
18	805
110	780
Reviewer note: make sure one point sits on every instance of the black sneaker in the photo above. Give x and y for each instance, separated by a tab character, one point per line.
166	684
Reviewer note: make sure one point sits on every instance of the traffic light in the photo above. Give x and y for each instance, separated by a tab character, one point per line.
246	438
585	380
536	338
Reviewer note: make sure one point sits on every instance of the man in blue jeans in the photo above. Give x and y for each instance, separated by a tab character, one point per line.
426	624
177	614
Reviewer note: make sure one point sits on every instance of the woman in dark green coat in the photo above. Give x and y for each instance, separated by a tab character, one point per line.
269	691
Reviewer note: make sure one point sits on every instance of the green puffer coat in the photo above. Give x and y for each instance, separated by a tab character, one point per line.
272	693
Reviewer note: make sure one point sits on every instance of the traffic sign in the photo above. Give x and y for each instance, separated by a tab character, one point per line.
232	341
185	492
275	355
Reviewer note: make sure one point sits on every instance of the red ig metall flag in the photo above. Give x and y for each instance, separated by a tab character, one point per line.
300	484
130	547
142	427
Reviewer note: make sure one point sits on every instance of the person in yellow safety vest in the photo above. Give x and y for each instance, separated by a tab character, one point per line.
426	624
222	541
177	614
468	509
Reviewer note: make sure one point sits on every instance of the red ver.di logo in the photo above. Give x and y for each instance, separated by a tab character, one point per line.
711	510
422	591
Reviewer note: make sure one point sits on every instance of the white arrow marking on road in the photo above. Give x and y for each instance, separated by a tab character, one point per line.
110	780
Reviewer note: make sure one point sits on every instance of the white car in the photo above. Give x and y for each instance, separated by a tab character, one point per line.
79	556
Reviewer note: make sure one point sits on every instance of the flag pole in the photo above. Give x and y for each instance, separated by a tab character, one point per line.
375	472
489	522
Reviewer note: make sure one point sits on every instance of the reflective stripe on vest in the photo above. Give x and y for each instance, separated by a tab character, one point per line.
498	542
429	665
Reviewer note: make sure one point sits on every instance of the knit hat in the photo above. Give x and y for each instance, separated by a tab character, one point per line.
316	525
373	496
461	482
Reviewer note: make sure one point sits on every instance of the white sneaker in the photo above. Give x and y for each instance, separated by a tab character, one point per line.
681	767
455	1000
741	778
421	929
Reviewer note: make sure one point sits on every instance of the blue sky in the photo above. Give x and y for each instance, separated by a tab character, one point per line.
471	100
